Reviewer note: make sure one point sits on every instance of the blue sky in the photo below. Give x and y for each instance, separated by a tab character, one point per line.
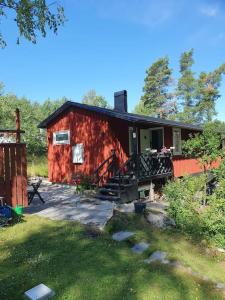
107	45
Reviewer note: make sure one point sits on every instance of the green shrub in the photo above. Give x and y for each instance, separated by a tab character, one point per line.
186	197
83	182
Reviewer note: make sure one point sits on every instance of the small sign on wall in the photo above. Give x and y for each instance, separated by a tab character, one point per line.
78	153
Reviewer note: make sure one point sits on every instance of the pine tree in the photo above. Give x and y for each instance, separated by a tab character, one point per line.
207	93
186	88
156	88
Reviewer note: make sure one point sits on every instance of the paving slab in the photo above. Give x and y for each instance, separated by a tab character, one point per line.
39	292
157	256
140	247
63	204
122	235
125	207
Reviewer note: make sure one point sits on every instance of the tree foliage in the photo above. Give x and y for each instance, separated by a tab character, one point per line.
193	98
32	17
186	87
91	98
32	113
156	87
205	146
207	93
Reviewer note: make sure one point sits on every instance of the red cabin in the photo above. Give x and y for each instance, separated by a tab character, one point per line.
81	139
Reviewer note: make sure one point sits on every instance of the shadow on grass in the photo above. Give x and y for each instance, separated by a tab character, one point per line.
76	266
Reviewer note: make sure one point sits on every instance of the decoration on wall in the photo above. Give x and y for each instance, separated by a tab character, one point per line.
78	154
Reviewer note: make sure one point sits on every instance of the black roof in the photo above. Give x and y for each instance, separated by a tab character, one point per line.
133	118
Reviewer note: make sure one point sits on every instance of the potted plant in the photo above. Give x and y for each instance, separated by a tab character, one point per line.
139	206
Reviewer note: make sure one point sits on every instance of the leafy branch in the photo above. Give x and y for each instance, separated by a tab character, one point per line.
31	17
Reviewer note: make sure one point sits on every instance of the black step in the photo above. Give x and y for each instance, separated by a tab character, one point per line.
107	197
127	176
110	191
121	180
117	185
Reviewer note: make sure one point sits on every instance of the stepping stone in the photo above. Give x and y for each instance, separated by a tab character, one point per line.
125	207
140	247
122	235
220	286
159	256
39	292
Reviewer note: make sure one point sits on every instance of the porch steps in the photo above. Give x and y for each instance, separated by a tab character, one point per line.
109	191
139	169
107	197
116	186
119	189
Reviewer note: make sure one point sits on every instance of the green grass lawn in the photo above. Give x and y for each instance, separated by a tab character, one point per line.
37	166
76	265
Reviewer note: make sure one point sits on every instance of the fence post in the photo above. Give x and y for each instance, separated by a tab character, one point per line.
17	126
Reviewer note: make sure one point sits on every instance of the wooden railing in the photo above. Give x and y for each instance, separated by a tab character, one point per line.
141	167
144	166
153	165
105	170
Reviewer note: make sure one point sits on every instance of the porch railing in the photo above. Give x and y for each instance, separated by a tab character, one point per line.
106	169
144	166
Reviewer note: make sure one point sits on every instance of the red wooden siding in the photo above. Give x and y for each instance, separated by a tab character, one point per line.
13	174
99	135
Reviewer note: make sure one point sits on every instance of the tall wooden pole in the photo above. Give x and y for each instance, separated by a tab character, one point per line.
17	126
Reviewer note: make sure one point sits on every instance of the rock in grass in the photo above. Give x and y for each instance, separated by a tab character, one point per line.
221	250
122	235
140	247
39	292
157	256
160	220
220	286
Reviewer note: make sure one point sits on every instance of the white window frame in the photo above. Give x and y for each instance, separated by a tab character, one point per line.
63	142
179	152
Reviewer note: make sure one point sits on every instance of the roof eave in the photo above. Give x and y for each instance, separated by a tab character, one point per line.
122	116
50	118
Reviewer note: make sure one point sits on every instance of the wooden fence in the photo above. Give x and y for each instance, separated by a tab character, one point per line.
13	174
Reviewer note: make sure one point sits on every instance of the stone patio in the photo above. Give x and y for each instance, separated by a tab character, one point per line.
61	203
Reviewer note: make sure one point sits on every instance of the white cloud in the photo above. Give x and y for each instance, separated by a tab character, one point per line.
209	10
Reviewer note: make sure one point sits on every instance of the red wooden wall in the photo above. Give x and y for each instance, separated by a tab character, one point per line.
13	174
99	135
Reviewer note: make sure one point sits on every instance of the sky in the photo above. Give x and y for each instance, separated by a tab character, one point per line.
107	45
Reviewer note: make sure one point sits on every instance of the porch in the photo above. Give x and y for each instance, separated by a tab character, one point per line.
125	183
148	166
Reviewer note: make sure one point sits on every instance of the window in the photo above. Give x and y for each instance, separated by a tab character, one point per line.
61	137
177	141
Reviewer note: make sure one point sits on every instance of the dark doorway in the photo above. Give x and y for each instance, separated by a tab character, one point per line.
157	139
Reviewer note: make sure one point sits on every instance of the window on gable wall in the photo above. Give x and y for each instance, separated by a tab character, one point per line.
177	141
61	137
